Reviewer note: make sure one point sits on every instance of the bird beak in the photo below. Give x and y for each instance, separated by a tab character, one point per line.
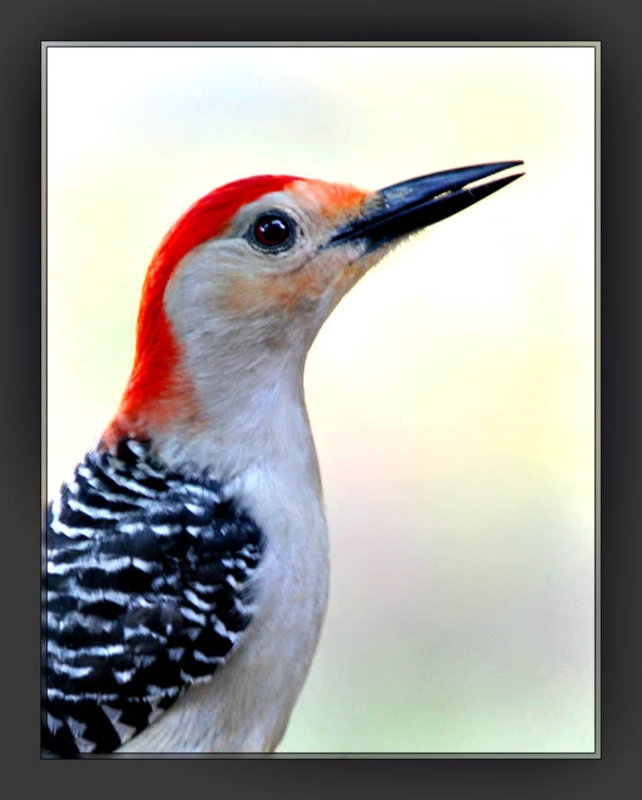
408	206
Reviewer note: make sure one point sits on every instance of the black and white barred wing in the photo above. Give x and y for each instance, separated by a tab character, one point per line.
149	588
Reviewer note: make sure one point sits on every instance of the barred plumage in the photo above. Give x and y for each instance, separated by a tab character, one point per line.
148	590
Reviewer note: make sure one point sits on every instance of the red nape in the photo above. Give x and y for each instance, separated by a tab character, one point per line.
157	390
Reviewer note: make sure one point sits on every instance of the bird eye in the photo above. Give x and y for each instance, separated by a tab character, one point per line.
273	231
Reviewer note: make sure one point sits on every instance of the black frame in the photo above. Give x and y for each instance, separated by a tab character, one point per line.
614	26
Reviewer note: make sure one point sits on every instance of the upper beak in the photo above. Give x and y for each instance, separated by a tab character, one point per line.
414	204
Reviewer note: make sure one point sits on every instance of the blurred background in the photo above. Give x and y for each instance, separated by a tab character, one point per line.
451	393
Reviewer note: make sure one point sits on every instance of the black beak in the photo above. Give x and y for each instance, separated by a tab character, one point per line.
414	204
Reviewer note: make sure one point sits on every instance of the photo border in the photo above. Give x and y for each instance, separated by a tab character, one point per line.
29	23
596	533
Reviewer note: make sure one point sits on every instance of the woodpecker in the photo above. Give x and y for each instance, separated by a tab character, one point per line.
187	558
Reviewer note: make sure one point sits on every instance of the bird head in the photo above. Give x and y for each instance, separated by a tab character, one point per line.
241	284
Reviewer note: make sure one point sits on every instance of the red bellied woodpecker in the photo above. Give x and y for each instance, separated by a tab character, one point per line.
187	568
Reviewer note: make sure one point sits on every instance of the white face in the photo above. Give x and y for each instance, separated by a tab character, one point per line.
238	312
267	279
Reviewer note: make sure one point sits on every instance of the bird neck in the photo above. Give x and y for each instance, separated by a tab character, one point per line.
241	410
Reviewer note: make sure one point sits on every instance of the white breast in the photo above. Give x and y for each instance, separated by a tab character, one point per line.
246	705
253	433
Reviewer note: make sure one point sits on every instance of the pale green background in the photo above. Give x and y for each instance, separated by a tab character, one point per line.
451	393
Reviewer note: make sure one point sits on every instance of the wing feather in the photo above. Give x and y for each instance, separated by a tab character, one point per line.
149	589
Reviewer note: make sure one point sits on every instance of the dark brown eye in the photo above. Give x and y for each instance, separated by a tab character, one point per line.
273	231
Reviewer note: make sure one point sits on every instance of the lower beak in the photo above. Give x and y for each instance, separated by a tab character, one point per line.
414	204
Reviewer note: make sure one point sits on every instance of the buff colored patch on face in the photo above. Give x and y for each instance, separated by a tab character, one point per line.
266	293
336	201
330	270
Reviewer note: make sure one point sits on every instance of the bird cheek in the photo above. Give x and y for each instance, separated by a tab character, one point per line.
261	294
